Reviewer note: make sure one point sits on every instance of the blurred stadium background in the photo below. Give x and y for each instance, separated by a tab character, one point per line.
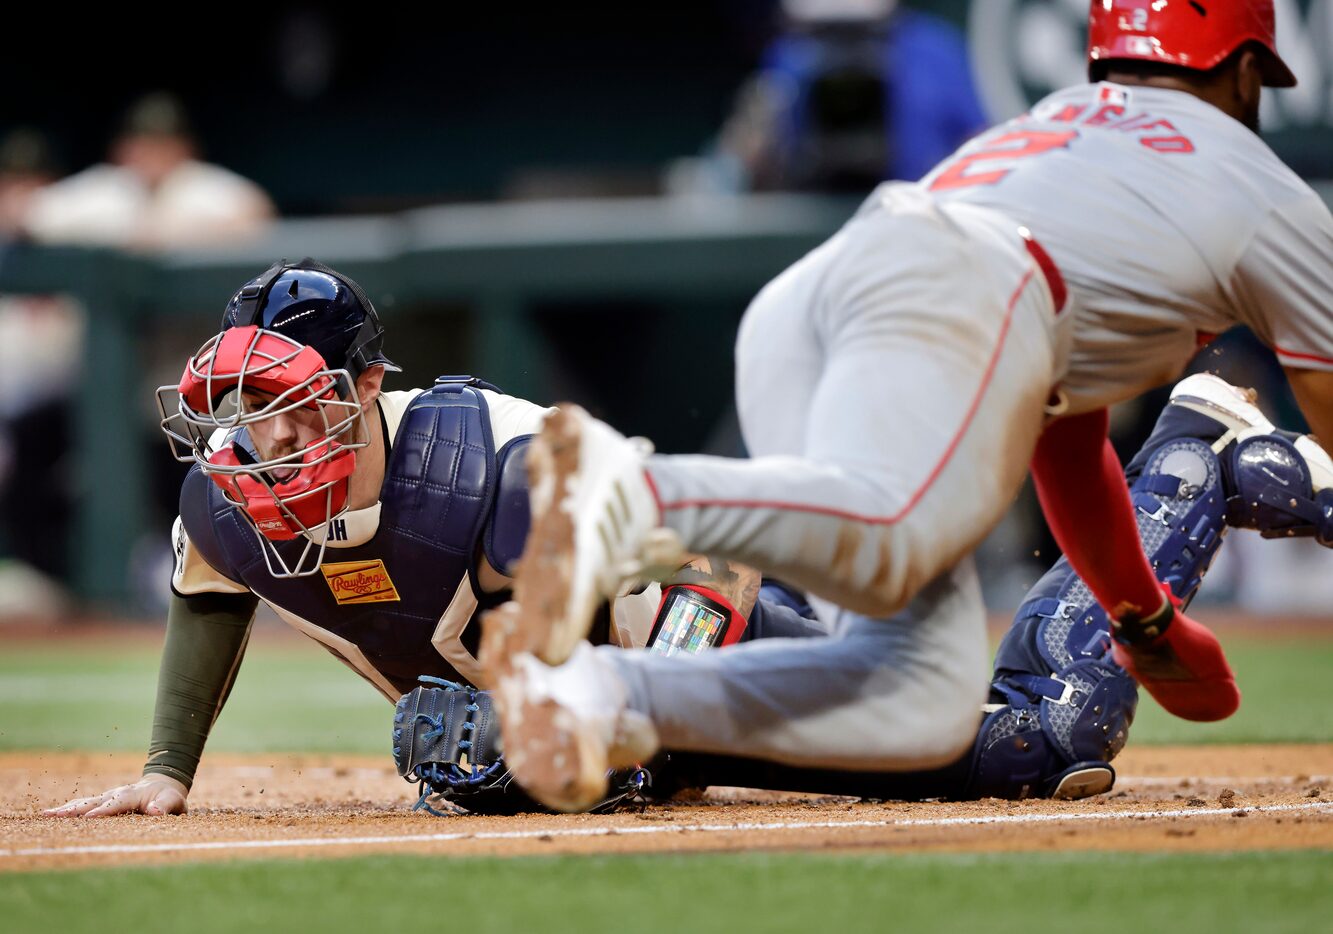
571	201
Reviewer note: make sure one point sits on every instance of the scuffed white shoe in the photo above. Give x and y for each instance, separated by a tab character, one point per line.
1234	407
566	727
595	524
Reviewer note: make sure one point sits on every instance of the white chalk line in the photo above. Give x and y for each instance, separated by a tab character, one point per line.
1237	780
373	772
647	829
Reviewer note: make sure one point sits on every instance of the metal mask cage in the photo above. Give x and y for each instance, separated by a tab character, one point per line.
193	429
196	436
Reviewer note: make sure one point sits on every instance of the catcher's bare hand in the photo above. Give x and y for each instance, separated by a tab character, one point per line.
153	794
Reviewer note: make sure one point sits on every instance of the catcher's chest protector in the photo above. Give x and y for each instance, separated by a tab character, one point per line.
387	595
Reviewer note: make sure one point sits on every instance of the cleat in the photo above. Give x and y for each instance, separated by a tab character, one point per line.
501	641
661	550
1234	407
1230	405
567	727
595	524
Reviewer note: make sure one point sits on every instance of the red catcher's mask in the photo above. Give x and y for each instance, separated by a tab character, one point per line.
297	493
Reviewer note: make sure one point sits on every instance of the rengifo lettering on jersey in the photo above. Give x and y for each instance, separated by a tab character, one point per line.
1111	116
990	157
359	582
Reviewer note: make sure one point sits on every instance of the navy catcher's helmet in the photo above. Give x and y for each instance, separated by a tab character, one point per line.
317	306
296	338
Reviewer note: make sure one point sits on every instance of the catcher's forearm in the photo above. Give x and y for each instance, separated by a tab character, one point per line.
737	583
206	637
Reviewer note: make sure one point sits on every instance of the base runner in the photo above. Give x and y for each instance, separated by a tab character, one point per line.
896	385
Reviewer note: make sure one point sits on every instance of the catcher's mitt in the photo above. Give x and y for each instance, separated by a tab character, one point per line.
446	738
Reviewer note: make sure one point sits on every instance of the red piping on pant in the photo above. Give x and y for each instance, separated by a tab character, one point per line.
924	488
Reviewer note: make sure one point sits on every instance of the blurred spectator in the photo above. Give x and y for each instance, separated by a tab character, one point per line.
40	338
154	193
26	167
851	92
39	341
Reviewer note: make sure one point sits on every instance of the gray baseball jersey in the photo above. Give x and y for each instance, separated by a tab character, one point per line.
1170	222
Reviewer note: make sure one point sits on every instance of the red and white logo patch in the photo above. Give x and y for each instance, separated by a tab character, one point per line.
1112	94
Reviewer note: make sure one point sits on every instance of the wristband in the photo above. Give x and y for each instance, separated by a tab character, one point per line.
692	619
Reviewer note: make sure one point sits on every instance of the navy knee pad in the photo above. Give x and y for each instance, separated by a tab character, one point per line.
1272	491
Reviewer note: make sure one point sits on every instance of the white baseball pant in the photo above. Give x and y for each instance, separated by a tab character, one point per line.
891	388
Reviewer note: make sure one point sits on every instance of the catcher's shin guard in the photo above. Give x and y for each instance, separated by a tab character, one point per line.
1060	706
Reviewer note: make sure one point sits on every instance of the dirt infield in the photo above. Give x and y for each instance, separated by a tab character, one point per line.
1208	798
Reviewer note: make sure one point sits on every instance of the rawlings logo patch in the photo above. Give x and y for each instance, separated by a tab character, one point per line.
359	582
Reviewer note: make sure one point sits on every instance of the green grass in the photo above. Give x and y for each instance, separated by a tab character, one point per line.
1286	694
288	697
771	892
293	697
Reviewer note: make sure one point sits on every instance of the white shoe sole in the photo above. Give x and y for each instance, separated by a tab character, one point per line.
1213	396
552	757
1094	780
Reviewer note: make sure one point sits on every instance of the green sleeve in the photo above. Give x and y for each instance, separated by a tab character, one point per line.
206	637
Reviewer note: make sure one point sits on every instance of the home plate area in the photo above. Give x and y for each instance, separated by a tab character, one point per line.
1212	798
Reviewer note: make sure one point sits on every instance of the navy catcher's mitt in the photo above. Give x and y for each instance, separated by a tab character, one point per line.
446	738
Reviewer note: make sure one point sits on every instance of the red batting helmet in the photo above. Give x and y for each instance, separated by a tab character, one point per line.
1195	34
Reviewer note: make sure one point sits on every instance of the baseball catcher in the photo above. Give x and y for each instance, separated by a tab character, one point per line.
380	524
